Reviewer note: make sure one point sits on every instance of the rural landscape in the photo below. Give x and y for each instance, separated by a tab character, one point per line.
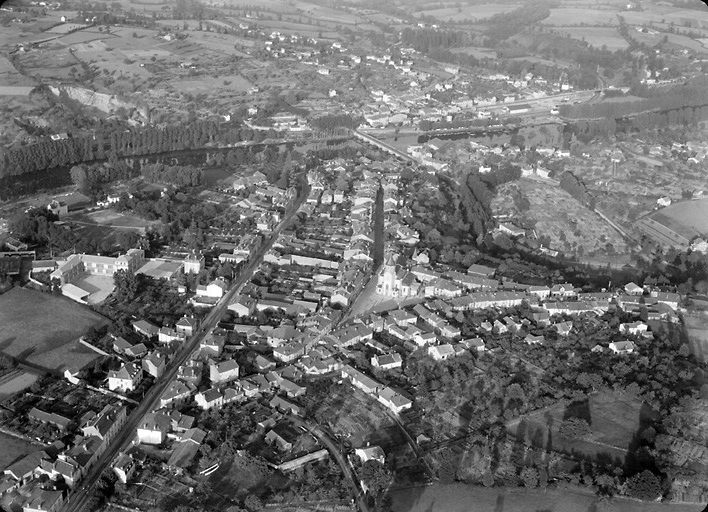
353	256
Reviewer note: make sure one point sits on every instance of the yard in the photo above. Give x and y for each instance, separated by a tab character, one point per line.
614	420
42	329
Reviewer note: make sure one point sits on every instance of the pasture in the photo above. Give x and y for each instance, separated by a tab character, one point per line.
597	36
614	420
42	329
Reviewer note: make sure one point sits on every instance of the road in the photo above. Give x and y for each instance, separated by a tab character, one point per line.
347	470
79	499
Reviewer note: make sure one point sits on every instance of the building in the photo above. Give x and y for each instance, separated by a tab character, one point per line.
80	264
441	352
193	263
394	401
387	361
153	428
146	328
125	379
186	325
622	347
224	371
154	364
289	352
124	467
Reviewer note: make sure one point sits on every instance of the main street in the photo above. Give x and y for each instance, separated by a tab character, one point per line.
79	499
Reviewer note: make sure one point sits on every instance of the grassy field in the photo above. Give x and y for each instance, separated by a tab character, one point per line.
575	16
697	330
42	329
113	218
469	12
597	36
460	497
614	420
12	448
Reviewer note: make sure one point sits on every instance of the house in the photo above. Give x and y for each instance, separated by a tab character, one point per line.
41	500
670	299
212	345
120	345
176	392
214	290
622	347
209	398
634	328
450	331
530	339
224	371
124	467
633	289
153	428
289	352
474	344
564	328
136	351
22	469
106	423
126	378
54	419
291	389
396	402
243	305
284	406
154	364
146	328
191	372
283	436
167	335
371	453
499	327
186	325
402	318
263	364
564	290
186	448
387	361
441	352
360	380
481	271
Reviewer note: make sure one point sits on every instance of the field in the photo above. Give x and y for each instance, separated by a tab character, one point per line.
15	381
614	420
12	448
688	218
42	329
469	12
597	36
459	497
479	53
576	16
697	331
570	226
115	219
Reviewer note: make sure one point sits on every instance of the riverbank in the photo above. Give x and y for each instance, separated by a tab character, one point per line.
468	498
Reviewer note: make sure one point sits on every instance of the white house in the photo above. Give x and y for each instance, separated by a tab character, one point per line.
153	429
622	347
224	371
441	352
387	361
125	379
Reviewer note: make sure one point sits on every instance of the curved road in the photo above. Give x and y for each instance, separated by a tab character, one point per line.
78	500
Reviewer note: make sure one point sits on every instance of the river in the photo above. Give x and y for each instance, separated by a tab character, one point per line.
468	498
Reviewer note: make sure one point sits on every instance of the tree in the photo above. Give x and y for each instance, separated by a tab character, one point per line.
645	485
253	503
529	476
376	477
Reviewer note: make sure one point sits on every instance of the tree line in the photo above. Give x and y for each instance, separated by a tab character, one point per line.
426	39
576	188
49	154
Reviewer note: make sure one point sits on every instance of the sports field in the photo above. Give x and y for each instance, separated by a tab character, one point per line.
42	329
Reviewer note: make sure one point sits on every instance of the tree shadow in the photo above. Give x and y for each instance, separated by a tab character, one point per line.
639	451
578	409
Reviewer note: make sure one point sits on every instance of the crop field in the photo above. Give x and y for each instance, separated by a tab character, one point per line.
614	420
564	17
597	36
82	36
469	12
569	224
12	448
209	84
327	14
48	335
220	43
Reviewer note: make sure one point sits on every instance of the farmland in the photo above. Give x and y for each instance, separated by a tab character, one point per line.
15	381
469	12
688	218
48	336
567	16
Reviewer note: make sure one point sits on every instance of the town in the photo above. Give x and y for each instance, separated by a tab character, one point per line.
347	256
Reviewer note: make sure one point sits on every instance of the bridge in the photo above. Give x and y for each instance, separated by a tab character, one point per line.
383	146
